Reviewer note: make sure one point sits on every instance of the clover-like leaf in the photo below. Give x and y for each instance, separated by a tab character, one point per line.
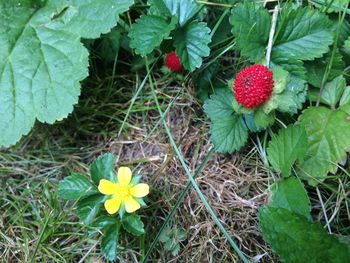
42	59
289	145
148	32
328	134
251	26
295	239
302	34
290	193
75	186
191	44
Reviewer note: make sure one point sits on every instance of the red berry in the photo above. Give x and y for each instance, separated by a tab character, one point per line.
253	86
173	62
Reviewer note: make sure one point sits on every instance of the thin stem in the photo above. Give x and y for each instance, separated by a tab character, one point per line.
271	36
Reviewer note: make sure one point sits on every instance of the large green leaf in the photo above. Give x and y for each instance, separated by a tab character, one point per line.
229	134
89	207
184	10
251	26
75	186
284	149
148	32
302	34
109	243
103	168
42	59
133	224
333	91
328	134
289	193
295	239
191	44
220	104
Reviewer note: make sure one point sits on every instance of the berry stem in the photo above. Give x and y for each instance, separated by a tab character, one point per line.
272	34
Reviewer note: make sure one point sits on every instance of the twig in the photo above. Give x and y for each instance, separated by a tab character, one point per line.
272	34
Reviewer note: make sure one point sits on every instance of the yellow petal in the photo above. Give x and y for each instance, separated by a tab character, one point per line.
112	205
107	187
140	190
131	205
124	175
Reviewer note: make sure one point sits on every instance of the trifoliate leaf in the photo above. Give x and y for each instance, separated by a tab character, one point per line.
148	32
317	68
191	43
328	134
89	207
133	224
103	168
295	239
109	243
251	27
289	145
220	104
42	59
75	186
290	193
184	10
229	134
302	34
333	91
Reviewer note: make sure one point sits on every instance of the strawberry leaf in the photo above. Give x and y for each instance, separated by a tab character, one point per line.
191	43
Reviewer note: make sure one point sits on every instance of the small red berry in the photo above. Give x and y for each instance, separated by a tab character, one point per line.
253	86
173	62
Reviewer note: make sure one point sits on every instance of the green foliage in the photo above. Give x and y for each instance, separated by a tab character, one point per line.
89	207
133	224
228	131
148	32
103	168
289	145
333	91
295	239
328	134
75	186
171	238
41	66
302	34
251	26
290	194
191	44
109	243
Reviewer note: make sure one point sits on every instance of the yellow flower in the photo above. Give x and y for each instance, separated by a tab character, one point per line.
122	192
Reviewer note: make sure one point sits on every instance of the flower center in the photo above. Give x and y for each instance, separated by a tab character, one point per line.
122	191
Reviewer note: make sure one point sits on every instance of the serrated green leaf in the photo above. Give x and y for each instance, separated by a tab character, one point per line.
292	99
229	134
345	98
184	10
109	243
42	59
191	44
294	66
89	207
289	145
263	120
75	186
317	68
295	239
302	34
148	32
346	47
280	78
220	104
108	48
251	26
328	134
133	224
333	90
203	81
101	223
103	168
290	194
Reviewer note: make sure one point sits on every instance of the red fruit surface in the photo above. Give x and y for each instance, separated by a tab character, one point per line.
173	62
253	86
